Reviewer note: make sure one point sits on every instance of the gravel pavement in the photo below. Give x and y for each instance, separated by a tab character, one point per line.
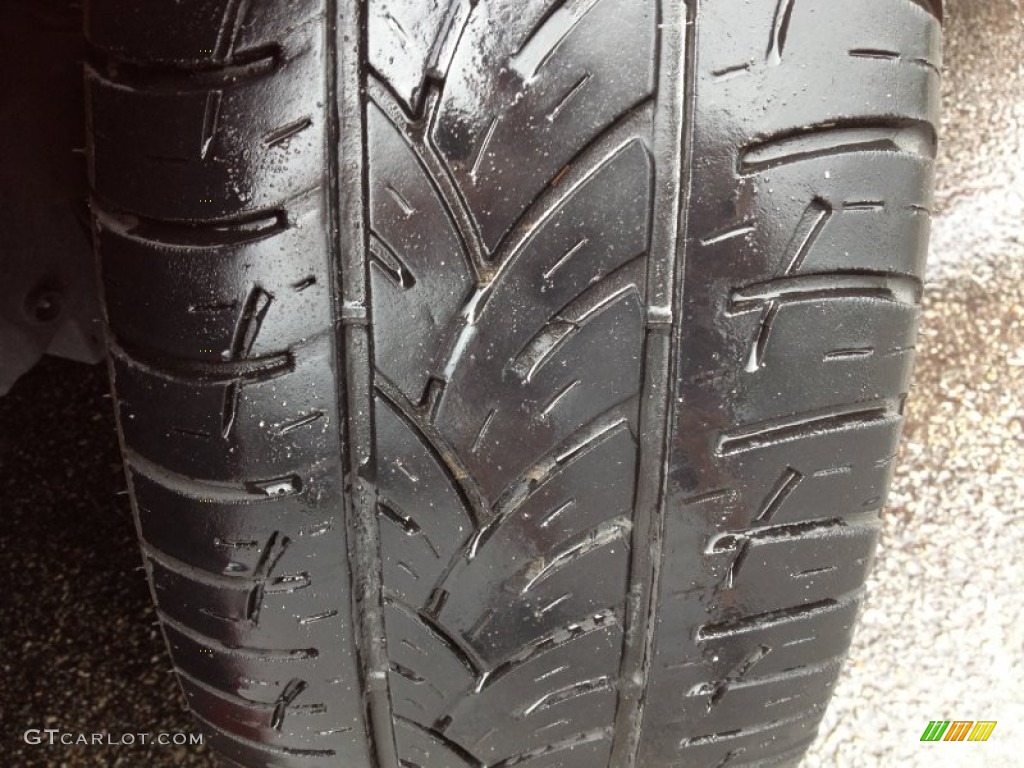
942	636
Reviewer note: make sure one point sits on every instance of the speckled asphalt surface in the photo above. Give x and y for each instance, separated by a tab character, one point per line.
943	633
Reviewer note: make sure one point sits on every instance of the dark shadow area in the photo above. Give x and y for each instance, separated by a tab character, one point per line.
81	651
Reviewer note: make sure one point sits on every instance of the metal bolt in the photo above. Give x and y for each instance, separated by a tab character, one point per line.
44	305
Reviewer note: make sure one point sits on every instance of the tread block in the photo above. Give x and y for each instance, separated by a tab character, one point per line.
583	579
423	520
262	675
787	640
817	335
286	601
560	512
525	696
426	746
197	424
832	474
732	703
205	151
766	739
583	751
291	721
428	673
909	95
538	348
420	277
237	299
424	33
518	106
763	570
200	33
227	538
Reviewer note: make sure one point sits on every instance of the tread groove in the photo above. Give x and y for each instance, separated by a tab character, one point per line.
259	746
768	433
348	246
471	497
218	233
673	123
750	729
425	618
242	651
438	735
810	287
201	372
815	142
729	627
212	491
780	30
599	734
416	135
253	64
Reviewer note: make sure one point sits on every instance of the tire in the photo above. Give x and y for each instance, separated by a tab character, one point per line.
510	382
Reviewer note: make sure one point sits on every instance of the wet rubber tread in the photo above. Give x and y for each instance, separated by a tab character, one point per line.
535	404
811	452
236	490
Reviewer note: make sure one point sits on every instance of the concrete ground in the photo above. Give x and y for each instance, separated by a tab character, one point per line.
943	633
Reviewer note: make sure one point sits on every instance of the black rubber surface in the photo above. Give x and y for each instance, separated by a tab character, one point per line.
510	382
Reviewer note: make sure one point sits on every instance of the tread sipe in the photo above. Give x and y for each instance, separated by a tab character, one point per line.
512	382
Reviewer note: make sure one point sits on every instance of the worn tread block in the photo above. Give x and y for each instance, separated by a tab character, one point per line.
236	300
817	561
287	599
196	33
194	530
552	81
424	521
520	695
426	34
543	348
428	745
733	702
429	675
287	722
420	275
788	404
205	151
191	422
